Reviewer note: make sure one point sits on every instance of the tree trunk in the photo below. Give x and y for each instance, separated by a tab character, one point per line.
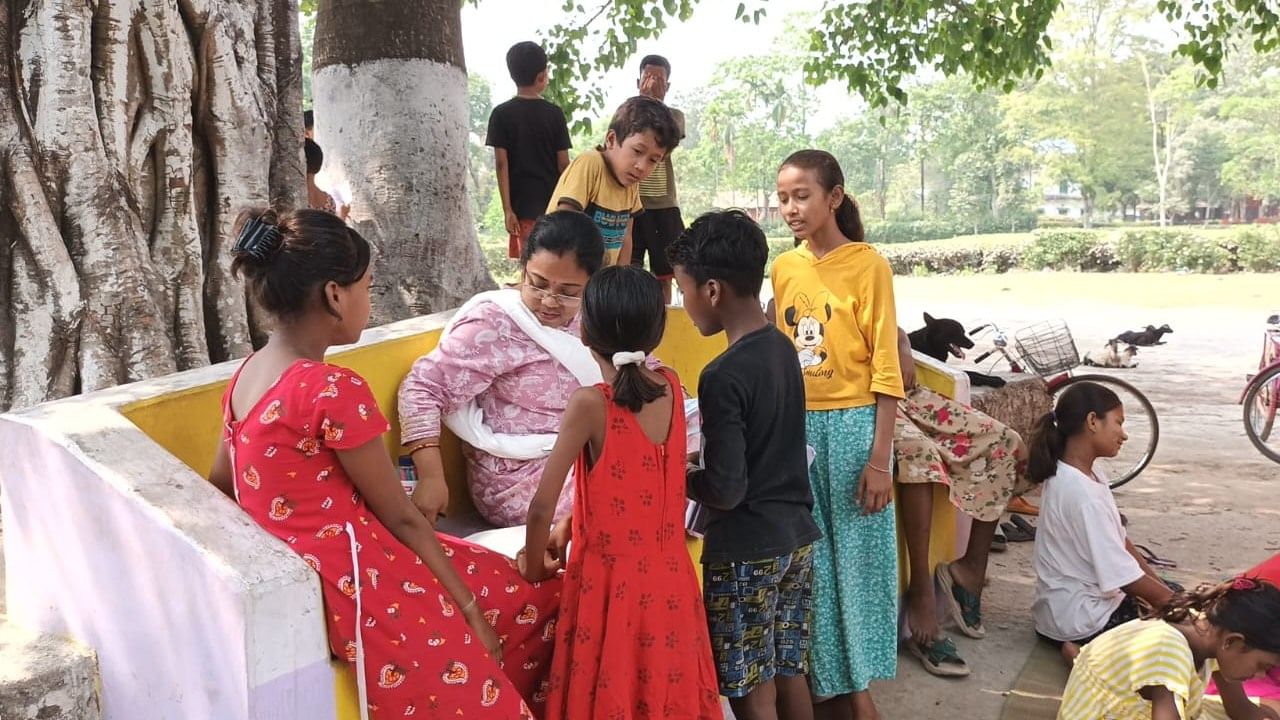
133	132
390	93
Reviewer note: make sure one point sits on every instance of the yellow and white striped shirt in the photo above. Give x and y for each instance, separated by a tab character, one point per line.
1110	671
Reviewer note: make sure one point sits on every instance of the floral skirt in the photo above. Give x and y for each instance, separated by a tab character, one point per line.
981	461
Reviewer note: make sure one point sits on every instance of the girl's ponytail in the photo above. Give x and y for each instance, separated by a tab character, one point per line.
1070	417
631	389
1245	605
1044	449
849	220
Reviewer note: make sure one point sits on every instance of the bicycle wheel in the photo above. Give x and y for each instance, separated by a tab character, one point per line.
1140	424
1260	404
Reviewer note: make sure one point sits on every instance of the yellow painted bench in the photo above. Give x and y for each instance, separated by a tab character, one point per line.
94	443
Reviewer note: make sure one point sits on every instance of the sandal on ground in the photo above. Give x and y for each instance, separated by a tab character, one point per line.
1023	524
1153	559
940	657
965	607
1021	505
1015	533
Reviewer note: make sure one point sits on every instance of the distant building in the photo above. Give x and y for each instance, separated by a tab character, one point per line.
761	206
1063	200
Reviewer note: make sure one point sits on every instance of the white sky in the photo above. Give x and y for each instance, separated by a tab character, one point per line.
694	48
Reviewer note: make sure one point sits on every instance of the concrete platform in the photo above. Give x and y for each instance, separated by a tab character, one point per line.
46	677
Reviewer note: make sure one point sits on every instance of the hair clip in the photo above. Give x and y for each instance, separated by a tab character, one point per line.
1244	583
259	240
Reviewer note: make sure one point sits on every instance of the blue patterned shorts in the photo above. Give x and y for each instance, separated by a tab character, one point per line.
759	613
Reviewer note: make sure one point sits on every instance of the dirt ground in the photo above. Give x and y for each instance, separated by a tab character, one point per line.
1208	500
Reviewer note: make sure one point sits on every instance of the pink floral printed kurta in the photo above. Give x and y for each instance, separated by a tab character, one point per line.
521	390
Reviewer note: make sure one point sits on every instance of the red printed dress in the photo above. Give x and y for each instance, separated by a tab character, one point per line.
632	640
420	657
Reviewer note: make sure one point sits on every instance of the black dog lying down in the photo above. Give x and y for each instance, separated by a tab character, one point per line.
1144	338
942	338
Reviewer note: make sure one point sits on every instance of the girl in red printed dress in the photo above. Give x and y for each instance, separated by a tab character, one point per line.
436	627
632	639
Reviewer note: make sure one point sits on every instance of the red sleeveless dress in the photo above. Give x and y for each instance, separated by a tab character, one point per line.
384	608
632	637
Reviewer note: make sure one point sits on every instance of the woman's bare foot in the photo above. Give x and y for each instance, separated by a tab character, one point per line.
1069	652
922	613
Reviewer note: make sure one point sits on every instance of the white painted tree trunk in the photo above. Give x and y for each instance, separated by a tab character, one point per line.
390	96
133	131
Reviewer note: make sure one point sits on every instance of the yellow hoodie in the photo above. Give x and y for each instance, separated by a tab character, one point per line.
839	311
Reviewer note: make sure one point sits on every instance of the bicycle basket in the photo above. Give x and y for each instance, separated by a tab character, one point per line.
1047	347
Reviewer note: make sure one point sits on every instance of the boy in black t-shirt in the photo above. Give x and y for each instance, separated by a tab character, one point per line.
530	141
757	560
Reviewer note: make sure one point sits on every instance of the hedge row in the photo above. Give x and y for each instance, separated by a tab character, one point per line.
1254	249
1147	250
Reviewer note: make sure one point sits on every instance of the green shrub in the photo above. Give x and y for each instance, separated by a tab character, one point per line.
1068	250
1156	249
1257	249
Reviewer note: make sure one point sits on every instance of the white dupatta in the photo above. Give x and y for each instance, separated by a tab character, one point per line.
468	423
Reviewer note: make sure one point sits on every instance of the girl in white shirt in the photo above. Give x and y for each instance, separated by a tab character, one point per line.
1089	577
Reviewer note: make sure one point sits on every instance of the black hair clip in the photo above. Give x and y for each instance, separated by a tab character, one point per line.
259	240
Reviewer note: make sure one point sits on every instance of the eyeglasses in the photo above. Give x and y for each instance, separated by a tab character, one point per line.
541	294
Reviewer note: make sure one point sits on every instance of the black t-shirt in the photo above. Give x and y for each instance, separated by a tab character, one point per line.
756	481
532	131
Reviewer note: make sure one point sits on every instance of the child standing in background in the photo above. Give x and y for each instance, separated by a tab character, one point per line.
835	300
632	638
530	141
758	558
660	224
604	183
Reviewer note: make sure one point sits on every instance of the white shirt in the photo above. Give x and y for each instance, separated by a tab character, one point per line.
1080	558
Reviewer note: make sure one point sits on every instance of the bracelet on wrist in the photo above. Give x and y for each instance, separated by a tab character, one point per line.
468	606
423	445
877	468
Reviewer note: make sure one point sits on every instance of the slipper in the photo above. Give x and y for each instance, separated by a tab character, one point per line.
1022	524
1153	559
1015	533
940	657
965	607
1021	505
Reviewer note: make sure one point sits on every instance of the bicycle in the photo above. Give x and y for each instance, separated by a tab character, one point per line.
1261	396
1048	350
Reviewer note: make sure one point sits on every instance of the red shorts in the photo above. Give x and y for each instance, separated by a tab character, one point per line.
515	243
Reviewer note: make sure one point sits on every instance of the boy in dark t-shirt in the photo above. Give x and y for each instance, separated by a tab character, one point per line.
757	560
530	141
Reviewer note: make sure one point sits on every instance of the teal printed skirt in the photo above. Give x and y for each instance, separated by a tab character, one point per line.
854	636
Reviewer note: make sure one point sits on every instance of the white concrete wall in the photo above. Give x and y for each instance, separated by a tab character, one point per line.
194	611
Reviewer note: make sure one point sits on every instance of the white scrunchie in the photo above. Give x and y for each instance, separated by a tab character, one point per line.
628	358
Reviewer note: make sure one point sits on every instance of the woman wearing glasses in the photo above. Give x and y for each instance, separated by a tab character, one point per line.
501	377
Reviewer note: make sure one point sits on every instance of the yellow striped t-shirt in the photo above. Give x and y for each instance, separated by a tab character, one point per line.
1110	671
